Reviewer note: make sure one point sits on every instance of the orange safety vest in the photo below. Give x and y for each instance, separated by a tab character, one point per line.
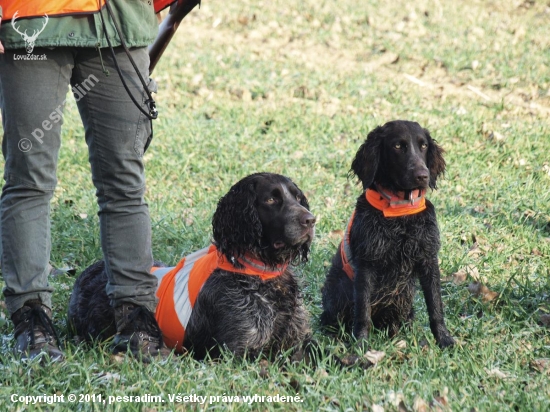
35	8
179	286
391	205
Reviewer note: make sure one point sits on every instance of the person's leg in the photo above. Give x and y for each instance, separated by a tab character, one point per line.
116	134
32	95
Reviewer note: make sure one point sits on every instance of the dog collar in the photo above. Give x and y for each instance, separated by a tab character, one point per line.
395	204
252	267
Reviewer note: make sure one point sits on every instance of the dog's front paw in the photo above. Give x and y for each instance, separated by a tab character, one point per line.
361	334
445	341
362	338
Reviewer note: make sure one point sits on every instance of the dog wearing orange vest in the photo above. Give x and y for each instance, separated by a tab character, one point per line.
392	238
240	293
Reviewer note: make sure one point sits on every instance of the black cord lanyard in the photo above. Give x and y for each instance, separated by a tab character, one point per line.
153	113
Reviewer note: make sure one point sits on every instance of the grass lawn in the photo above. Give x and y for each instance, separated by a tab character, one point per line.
294	88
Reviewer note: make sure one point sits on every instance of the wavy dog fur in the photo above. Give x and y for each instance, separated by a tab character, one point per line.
389	254
265	216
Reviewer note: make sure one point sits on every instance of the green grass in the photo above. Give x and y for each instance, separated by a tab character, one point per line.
294	88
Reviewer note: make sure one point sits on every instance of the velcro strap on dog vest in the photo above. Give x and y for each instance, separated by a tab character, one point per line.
345	251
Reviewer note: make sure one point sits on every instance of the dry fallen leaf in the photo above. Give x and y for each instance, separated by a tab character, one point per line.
472	271
541	365
460	277
401	344
349	360
322	373
374	356
394	398
479	290
474	250
420	405
440	401
108	376
496	372
243	20
264	373
118	358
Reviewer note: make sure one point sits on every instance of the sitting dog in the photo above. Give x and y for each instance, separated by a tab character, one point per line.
392	237
239	293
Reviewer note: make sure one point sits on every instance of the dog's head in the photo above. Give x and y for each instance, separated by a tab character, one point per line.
265	215
400	156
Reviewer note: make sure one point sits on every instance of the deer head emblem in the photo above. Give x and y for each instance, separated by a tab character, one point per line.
29	40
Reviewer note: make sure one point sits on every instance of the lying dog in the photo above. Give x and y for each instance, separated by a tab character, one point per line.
239	293
392	237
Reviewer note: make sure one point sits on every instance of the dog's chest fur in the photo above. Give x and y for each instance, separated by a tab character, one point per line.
392	248
257	314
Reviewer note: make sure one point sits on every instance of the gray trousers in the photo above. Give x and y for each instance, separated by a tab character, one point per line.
32	97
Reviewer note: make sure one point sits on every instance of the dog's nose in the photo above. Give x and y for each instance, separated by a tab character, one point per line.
307	220
422	178
421	175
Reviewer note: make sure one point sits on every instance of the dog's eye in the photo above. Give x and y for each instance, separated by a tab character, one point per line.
298	198
397	146
424	146
271	201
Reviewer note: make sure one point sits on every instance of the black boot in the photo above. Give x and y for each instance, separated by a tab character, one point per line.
34	332
138	333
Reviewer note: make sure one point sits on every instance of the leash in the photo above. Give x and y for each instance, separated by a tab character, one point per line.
153	112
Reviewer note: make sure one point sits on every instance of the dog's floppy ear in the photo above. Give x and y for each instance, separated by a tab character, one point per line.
367	159
236	224
303	199
435	160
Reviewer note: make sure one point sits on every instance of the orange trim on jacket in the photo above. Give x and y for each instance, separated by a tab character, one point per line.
35	8
179	288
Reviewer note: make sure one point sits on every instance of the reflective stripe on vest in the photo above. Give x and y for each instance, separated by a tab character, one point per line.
176	301
179	287
35	8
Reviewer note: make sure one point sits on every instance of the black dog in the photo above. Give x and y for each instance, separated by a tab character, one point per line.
251	302
392	238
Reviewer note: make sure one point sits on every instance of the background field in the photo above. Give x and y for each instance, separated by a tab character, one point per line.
294	88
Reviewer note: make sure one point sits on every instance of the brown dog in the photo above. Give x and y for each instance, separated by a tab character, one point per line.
249	301
392	238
